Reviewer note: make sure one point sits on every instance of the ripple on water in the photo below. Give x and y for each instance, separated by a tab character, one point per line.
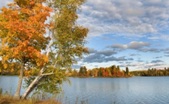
136	90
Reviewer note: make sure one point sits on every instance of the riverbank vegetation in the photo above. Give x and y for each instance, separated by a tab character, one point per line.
112	71
151	72
115	71
6	98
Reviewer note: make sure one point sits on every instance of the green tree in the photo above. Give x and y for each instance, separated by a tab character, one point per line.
83	71
113	70
74	73
127	71
67	43
24	41
100	73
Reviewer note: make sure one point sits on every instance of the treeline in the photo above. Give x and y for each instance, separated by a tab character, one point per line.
113	71
151	72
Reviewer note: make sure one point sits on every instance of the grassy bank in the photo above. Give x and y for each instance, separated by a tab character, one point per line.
7	99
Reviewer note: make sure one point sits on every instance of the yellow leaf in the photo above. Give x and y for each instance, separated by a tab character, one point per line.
5	65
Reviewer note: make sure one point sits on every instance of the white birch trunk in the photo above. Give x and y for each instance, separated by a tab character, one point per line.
36	81
17	93
32	86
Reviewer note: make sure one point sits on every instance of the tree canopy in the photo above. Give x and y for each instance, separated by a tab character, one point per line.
41	35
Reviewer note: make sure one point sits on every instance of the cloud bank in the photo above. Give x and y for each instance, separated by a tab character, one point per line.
126	17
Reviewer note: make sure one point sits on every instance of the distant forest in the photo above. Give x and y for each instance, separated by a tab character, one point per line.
115	71
112	71
151	72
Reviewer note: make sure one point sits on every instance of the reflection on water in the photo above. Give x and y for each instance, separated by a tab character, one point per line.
136	90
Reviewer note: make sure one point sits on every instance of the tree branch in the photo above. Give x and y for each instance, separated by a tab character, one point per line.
47	74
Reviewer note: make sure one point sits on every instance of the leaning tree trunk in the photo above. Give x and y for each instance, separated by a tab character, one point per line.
36	81
17	93
32	86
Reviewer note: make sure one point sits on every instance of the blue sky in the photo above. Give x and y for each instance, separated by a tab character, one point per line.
133	33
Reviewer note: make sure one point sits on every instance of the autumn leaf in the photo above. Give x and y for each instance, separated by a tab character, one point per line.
22	32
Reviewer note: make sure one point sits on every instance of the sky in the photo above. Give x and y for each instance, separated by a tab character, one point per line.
128	33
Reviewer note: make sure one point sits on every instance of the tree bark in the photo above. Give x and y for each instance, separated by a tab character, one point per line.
17	93
32	86
36	81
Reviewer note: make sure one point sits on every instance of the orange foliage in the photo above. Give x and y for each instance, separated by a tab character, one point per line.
22	32
27	73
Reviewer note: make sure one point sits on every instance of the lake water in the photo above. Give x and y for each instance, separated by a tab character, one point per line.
135	90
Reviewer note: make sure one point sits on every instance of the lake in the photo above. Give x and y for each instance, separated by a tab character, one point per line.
135	90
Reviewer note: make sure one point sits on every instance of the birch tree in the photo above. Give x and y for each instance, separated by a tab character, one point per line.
22	29
30	42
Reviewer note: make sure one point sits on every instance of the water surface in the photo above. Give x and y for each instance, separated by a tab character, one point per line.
135	90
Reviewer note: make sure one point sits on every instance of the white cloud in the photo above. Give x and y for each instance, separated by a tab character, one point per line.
132	45
137	45
160	36
125	17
